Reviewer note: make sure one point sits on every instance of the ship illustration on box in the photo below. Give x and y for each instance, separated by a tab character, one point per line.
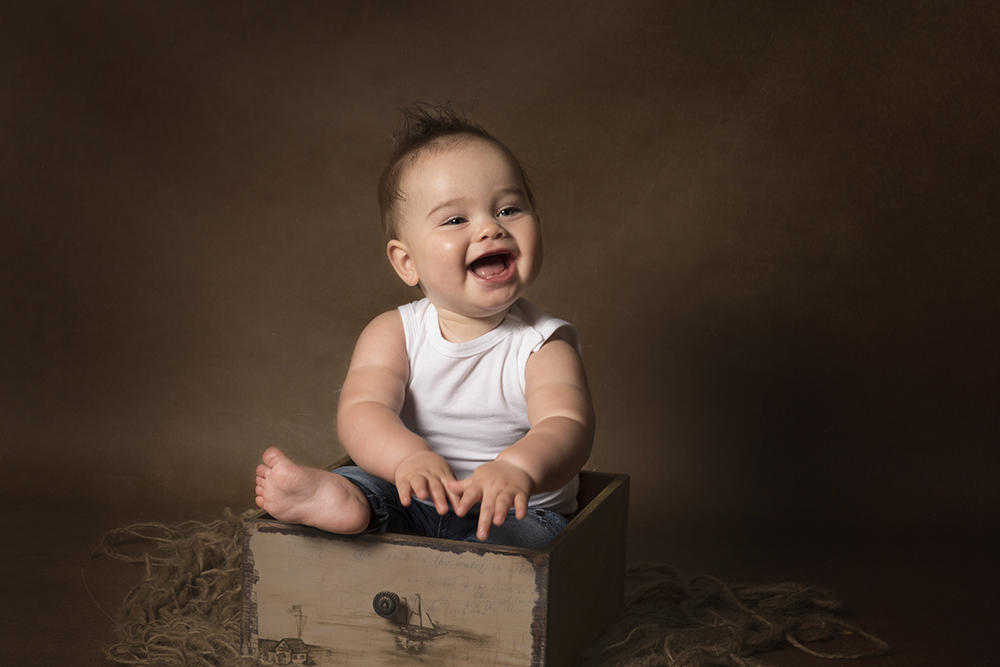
412	632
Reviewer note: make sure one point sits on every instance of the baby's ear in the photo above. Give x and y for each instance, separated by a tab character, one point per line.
402	262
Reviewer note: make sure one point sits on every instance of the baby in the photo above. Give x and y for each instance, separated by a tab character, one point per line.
469	407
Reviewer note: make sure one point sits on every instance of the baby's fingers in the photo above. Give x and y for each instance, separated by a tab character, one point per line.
439	495
403	488
454	498
502	507
458	487
406	489
486	516
471	495
521	506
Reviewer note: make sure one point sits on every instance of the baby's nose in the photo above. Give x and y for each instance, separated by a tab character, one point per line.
491	229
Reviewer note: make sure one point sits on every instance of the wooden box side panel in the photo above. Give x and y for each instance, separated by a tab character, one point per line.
591	486
587	575
316	593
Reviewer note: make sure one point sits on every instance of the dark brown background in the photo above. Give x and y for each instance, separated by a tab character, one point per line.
774	225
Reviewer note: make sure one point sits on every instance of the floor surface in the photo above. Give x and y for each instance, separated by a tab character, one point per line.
930	594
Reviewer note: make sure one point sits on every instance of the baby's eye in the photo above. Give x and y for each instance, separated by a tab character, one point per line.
457	220
509	210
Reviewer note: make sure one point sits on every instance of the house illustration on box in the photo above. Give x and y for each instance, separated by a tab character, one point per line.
288	651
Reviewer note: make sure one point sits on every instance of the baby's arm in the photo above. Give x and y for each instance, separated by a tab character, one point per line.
368	423
554	450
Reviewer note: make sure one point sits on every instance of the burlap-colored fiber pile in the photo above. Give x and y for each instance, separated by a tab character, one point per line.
186	610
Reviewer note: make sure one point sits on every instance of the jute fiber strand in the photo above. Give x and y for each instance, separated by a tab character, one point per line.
702	622
186	610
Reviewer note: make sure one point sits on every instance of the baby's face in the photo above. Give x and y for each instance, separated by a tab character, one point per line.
468	236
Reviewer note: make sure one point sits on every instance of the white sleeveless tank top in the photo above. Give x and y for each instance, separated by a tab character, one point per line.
467	399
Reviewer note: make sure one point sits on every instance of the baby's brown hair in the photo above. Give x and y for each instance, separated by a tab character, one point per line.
423	127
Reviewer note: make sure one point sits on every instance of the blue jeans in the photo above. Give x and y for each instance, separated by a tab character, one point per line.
389	516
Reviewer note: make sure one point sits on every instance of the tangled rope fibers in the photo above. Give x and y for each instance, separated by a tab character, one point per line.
673	622
186	610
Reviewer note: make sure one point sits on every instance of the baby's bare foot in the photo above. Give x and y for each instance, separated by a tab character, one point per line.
313	497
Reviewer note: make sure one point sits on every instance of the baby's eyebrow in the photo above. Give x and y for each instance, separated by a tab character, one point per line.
445	204
513	191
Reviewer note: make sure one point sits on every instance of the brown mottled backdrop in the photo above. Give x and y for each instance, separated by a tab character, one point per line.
774	224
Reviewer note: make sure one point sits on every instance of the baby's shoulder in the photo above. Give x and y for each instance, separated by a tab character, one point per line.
382	344
385	327
545	327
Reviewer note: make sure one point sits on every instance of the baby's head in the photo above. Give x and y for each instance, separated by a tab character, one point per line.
429	128
458	216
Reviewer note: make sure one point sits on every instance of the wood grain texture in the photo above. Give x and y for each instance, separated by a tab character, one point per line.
312	595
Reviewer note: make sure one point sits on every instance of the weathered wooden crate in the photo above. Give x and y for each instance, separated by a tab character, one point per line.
315	598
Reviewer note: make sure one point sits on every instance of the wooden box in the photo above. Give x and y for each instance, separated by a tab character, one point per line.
315	598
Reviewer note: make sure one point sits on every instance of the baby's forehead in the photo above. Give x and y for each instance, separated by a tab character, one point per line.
442	146
426	157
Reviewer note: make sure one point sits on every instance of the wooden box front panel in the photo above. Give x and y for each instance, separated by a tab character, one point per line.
460	606
315	598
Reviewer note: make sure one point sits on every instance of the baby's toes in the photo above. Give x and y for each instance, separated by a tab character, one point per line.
273	457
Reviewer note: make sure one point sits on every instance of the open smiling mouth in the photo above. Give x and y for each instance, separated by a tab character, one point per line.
493	267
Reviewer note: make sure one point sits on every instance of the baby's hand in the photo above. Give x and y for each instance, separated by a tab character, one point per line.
426	475
498	486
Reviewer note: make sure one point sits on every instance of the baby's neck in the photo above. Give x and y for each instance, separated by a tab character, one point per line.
457	328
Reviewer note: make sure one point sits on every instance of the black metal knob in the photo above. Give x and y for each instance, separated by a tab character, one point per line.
386	604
